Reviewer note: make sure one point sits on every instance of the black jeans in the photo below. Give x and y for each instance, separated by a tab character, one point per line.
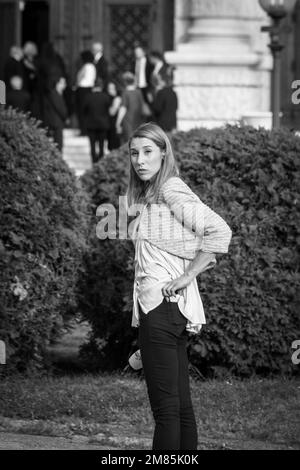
81	95
96	136
162	341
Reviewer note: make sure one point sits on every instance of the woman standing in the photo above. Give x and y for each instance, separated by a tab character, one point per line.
168	257
130	114
85	81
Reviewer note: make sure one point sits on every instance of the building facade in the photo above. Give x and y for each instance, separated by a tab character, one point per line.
223	64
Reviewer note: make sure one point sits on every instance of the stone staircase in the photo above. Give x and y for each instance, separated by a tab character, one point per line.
76	151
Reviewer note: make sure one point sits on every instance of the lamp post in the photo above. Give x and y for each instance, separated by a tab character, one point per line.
277	10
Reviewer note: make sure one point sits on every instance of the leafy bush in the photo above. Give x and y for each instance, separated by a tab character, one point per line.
43	231
106	285
251	178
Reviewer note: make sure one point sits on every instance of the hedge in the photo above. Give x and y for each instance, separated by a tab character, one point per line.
251	299
44	224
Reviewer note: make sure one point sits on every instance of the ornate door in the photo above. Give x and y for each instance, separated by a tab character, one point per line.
127	24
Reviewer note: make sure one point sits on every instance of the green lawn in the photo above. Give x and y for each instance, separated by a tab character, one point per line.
251	410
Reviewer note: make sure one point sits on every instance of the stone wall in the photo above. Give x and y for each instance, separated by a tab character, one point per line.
222	61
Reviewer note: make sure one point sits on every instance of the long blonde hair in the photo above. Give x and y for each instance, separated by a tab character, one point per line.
139	191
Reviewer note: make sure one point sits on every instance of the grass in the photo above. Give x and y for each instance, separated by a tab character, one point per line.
114	409
252	410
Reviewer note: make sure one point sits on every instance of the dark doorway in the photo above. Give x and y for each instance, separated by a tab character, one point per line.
35	22
7	32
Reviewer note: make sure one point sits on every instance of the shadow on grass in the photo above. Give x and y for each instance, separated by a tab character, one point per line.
63	356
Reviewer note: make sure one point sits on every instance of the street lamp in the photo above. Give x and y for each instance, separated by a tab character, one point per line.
277	10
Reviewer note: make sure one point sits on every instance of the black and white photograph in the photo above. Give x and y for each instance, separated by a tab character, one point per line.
150	228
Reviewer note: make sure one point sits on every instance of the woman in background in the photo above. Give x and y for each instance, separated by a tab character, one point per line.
85	82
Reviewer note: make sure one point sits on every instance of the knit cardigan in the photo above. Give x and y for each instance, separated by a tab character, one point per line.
181	224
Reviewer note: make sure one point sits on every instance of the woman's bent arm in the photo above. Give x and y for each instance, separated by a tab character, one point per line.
200	263
197	216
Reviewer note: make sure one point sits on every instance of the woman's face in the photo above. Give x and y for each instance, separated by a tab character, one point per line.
146	157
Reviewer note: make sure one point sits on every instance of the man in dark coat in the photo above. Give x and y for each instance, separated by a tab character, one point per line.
165	105
55	111
142	72
97	118
100	62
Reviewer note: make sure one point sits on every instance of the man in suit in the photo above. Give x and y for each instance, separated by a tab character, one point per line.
100	62
142	71
96	111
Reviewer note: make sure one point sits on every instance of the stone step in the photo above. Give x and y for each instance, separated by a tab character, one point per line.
71	132
76	155
77	151
73	140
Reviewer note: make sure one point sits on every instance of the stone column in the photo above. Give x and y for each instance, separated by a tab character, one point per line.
222	61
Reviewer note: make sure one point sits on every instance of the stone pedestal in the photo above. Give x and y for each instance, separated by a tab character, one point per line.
222	61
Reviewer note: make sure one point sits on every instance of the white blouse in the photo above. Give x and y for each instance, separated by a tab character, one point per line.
86	76
153	269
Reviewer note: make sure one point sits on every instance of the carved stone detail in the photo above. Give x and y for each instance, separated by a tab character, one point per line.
217	103
226	8
209	76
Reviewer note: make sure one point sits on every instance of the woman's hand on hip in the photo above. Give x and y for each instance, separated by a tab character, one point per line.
177	285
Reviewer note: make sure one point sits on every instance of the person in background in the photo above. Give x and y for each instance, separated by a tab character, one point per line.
165	104
30	59
160	66
100	62
160	69
30	77
130	114
142	72
50	68
13	66
16	96
85	82
55	111
113	138
50	65
167	306
96	110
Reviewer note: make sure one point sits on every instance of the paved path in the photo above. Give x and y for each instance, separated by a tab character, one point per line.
18	441
10	441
